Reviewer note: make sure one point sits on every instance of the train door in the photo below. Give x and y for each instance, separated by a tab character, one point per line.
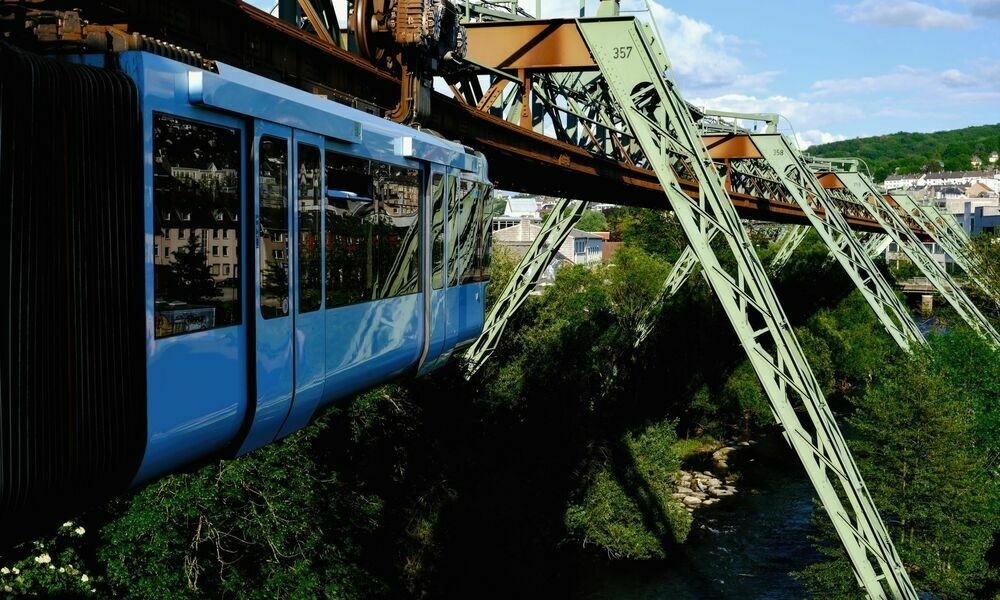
308	256
287	287
440	191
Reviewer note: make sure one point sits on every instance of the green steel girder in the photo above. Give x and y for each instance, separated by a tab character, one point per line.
876	243
661	123
948	221
554	232
790	238
786	164
899	226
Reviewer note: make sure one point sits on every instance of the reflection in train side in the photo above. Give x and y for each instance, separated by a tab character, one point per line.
272	183
196	182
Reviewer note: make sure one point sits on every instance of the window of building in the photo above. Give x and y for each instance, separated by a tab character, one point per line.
579	246
225	250
215	250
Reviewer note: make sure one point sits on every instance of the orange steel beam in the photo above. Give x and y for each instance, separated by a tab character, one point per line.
553	45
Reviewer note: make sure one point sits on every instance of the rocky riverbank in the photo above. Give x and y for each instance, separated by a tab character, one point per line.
707	479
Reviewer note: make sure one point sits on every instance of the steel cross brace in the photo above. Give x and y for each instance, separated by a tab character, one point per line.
862	191
661	123
956	246
790	238
554	232
876	243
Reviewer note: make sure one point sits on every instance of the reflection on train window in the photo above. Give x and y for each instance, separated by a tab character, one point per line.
196	183
437	229
308	186
469	236
272	183
372	230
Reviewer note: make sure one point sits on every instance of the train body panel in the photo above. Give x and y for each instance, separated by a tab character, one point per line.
197	381
295	252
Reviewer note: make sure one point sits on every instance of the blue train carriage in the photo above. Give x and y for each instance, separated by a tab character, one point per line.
288	251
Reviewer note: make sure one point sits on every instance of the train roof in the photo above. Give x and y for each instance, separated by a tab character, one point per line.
237	91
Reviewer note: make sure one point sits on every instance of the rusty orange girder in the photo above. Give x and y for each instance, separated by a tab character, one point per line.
520	159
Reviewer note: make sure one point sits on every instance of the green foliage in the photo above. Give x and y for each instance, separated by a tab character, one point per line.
504	264
915	445
853	340
268	525
633	281
622	522
743	392
655	232
592	220
50	567
917	152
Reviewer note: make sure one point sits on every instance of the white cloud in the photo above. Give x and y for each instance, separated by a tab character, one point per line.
907	13
702	57
794	112
956	78
812	137
903	78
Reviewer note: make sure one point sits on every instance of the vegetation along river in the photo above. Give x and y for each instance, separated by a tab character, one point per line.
744	547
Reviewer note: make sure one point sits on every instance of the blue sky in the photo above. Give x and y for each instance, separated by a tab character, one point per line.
834	70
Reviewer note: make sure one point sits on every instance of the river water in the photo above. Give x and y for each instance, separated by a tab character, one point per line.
742	548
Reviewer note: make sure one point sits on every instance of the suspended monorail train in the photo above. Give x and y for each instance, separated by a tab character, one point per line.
197	260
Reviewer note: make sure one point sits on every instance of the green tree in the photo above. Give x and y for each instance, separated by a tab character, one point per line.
272	524
915	445
193	281
592	220
628	509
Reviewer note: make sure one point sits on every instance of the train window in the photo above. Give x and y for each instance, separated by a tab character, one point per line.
308	186
273	188
437	229
457	223
468	240
196	175
372	230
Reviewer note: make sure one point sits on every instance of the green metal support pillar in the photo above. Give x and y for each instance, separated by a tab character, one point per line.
661	123
863	193
787	166
543	250
956	246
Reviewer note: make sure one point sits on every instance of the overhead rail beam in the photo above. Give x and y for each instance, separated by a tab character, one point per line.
661	124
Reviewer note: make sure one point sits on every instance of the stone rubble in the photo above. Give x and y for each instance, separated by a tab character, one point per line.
696	489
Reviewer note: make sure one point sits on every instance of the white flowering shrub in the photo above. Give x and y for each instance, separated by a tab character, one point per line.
48	567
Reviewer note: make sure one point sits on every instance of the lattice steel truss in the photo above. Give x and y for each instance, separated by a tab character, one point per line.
660	122
854	188
543	250
781	162
791	237
954	243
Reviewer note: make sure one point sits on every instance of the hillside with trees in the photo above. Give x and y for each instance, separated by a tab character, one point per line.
902	153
